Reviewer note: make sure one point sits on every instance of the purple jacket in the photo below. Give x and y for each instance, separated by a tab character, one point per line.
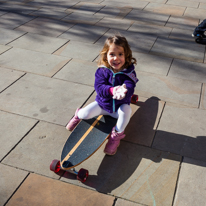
106	78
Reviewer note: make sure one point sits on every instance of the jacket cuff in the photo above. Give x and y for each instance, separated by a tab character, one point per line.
111	91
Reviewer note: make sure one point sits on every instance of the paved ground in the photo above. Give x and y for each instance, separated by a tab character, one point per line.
48	51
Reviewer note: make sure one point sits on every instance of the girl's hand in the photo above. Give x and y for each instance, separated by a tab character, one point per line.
119	92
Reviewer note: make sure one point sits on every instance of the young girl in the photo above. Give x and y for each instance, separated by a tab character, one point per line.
115	80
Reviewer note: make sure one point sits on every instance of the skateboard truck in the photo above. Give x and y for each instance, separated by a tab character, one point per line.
82	174
67	164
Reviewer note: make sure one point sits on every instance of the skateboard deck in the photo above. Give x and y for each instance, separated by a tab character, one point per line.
86	138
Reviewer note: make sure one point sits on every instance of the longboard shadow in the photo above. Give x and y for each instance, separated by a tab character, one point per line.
134	160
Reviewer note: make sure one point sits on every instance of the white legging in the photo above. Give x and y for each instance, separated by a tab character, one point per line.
122	115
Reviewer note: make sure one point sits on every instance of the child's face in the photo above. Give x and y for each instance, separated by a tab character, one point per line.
116	57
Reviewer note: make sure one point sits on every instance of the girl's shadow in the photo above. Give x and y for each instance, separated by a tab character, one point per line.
119	172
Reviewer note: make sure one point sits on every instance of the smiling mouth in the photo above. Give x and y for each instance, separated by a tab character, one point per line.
116	64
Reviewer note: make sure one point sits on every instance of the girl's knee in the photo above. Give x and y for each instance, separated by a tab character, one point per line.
83	114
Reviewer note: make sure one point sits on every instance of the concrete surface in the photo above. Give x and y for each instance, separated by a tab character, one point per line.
48	56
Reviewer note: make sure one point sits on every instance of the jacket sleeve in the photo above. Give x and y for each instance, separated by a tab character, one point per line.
102	84
130	87
130	84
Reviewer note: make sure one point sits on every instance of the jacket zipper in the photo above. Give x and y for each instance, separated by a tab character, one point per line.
113	81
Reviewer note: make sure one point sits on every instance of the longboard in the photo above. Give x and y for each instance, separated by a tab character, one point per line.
83	142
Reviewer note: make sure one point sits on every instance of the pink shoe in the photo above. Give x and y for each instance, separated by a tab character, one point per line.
113	142
73	122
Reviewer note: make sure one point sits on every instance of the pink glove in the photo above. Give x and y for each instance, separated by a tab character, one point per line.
119	92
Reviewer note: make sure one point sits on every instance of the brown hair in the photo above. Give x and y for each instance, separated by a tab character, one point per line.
119	41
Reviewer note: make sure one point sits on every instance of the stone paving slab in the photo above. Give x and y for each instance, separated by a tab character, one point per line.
168	89
10	179
122	202
135	4
86	7
18	8
44	98
82	18
42	191
152	63
148	16
85	70
198	0
144	45
195	13
184	3
183	23
165	9
39	148
49	13
84	33
80	50
143	170
159	1
38	43
7	35
2	13
202	6
180	49
52	4
149	29
182	33
187	134
113	12
12	20
8	77
31	61
188	70
191	188
47	27
13	128
115	23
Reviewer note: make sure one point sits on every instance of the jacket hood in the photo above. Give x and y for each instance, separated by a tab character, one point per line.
125	70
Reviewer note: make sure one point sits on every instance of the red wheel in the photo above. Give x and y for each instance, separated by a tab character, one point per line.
55	166
82	175
134	99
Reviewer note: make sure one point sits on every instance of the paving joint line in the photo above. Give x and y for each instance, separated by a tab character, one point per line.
170	67
156	129
177	181
12	82
19	141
